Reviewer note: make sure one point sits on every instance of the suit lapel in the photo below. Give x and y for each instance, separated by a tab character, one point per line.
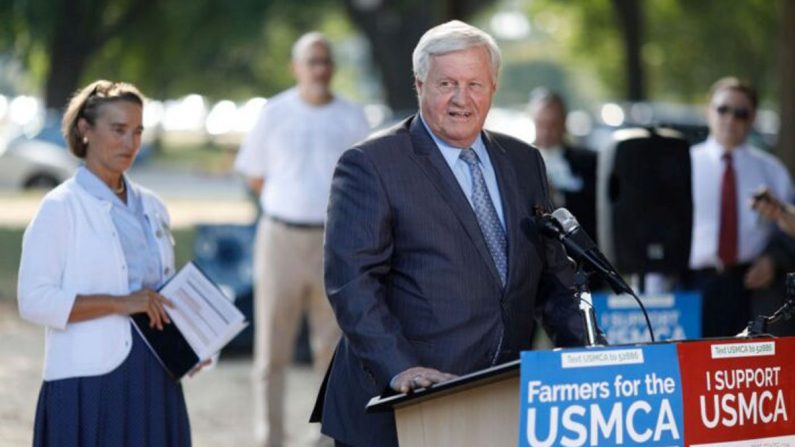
509	195
438	171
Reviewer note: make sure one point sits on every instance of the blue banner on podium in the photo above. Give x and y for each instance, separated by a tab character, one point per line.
628	396
674	316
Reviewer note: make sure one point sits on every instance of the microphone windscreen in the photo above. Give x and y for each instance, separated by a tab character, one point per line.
567	220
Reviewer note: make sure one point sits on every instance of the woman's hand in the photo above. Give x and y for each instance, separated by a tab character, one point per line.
199	367
150	302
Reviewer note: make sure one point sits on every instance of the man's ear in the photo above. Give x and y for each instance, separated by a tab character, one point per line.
418	84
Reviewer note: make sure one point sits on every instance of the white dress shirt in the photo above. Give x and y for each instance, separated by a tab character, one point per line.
295	146
753	169
462	172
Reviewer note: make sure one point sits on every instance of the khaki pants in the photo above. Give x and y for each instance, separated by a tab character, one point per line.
288	281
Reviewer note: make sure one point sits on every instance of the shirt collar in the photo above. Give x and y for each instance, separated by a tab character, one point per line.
451	153
97	188
551	152
716	150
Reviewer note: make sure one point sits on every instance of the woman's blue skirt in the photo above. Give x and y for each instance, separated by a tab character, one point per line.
137	404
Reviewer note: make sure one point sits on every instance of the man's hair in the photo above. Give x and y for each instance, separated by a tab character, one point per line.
450	37
306	41
86	104
540	97
733	83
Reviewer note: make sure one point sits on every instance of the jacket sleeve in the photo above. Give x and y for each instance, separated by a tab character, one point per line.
358	248
40	293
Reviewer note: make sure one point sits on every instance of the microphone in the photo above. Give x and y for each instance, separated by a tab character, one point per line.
562	225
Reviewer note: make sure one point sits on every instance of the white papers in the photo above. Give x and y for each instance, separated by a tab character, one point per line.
201	312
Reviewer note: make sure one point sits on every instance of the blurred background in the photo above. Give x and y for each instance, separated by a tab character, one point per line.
208	66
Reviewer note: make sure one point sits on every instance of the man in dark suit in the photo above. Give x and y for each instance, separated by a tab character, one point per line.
434	265
571	170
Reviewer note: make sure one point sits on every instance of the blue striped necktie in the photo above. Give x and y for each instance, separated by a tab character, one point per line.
487	216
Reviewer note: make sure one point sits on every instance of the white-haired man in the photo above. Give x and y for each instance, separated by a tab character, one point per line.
433	263
288	159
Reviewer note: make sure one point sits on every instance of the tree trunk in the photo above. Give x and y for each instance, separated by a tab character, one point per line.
392	38
786	84
79	32
393	29
69	51
630	20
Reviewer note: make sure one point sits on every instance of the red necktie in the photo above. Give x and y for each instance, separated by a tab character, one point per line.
727	237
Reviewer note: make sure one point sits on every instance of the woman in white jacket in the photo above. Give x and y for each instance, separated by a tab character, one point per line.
94	254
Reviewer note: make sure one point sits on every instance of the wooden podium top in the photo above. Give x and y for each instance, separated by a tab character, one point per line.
387	402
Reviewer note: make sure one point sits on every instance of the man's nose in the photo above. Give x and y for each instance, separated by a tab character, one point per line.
459	95
129	141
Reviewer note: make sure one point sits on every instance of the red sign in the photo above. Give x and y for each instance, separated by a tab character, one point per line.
735	390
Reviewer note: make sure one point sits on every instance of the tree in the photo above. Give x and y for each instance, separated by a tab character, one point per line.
393	29
786	83
630	21
681	46
70	33
166	48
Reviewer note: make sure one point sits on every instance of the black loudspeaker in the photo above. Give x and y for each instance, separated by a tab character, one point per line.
645	201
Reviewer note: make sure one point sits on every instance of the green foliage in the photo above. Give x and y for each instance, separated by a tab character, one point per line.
699	42
520	78
687	44
230	49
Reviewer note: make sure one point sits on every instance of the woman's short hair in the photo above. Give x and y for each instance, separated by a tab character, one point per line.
86	104
449	37
733	83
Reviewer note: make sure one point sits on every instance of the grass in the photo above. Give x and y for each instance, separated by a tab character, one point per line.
11	245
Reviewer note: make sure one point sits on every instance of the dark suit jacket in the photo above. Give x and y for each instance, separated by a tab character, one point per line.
582	203
412	282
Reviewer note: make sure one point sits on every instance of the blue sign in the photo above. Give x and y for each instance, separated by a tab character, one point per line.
674	316
628	396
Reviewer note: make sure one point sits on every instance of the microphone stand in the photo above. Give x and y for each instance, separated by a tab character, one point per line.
758	326
583	296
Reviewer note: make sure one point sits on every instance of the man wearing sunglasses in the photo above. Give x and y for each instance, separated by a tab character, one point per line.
727	256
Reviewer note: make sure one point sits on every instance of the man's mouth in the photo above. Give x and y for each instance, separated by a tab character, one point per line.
460	115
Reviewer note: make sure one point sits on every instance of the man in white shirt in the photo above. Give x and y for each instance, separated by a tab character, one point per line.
727	257
288	159
571	171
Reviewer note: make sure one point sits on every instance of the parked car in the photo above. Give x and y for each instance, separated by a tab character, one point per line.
28	163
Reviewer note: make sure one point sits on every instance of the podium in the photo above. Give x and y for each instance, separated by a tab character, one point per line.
475	410
736	392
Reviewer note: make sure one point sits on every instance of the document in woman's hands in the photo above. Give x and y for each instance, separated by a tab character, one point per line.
204	321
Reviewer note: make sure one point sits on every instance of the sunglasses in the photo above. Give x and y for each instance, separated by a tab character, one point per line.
740	114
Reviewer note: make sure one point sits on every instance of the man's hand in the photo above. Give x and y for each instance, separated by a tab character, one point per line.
761	274
418	377
771	208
